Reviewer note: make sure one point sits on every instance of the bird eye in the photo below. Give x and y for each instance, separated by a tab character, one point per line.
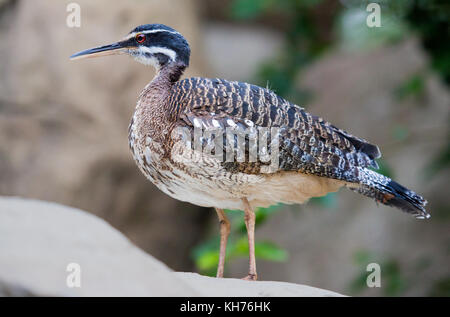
140	38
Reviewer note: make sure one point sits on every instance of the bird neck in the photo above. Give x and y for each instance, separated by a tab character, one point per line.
171	72
158	90
161	84
153	115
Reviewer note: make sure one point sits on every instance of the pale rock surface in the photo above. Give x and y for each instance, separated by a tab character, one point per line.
39	239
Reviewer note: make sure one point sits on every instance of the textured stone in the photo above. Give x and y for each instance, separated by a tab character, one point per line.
39	239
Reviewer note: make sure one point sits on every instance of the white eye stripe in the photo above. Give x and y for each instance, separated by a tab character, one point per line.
159	30
132	35
156	49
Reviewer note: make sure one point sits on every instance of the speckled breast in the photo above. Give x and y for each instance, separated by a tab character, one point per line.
146	153
198	180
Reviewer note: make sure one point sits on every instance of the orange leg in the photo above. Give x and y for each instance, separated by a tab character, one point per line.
224	232
250	224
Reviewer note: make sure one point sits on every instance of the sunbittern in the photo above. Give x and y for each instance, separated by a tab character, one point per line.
313	156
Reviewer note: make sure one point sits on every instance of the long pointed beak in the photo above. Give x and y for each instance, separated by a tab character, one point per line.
111	49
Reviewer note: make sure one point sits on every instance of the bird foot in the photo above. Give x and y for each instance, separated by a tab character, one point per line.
250	277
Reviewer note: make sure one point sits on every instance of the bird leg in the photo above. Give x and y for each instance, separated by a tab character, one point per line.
224	232
250	224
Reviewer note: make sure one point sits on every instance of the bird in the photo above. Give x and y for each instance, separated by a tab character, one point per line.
232	145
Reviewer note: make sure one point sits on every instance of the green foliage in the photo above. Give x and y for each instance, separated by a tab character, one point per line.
400	132
361	258
249	9
395	283
263	250
384	168
430	19
441	288
439	163
206	256
327	201
261	215
271	252
413	87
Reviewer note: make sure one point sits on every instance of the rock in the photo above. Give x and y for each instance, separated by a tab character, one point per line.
40	239
210	286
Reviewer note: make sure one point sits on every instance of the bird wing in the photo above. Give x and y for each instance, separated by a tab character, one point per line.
307	143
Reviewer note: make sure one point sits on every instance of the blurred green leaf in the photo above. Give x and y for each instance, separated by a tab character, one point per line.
394	281
423	263
280	81
430	21
413	87
362	257
441	211
384	168
441	288
327	201
208	260
241	247
440	162
203	253
271	252
248	9
358	284
263	250
261	215
400	133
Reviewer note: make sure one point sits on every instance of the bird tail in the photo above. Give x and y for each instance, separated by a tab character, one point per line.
390	193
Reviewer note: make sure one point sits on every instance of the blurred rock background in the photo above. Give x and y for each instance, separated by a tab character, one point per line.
63	128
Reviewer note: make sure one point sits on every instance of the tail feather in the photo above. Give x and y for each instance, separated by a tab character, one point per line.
391	193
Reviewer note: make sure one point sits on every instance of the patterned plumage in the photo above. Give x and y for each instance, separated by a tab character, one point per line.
176	121
308	144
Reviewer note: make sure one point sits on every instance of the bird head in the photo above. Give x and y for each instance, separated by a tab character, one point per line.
150	44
